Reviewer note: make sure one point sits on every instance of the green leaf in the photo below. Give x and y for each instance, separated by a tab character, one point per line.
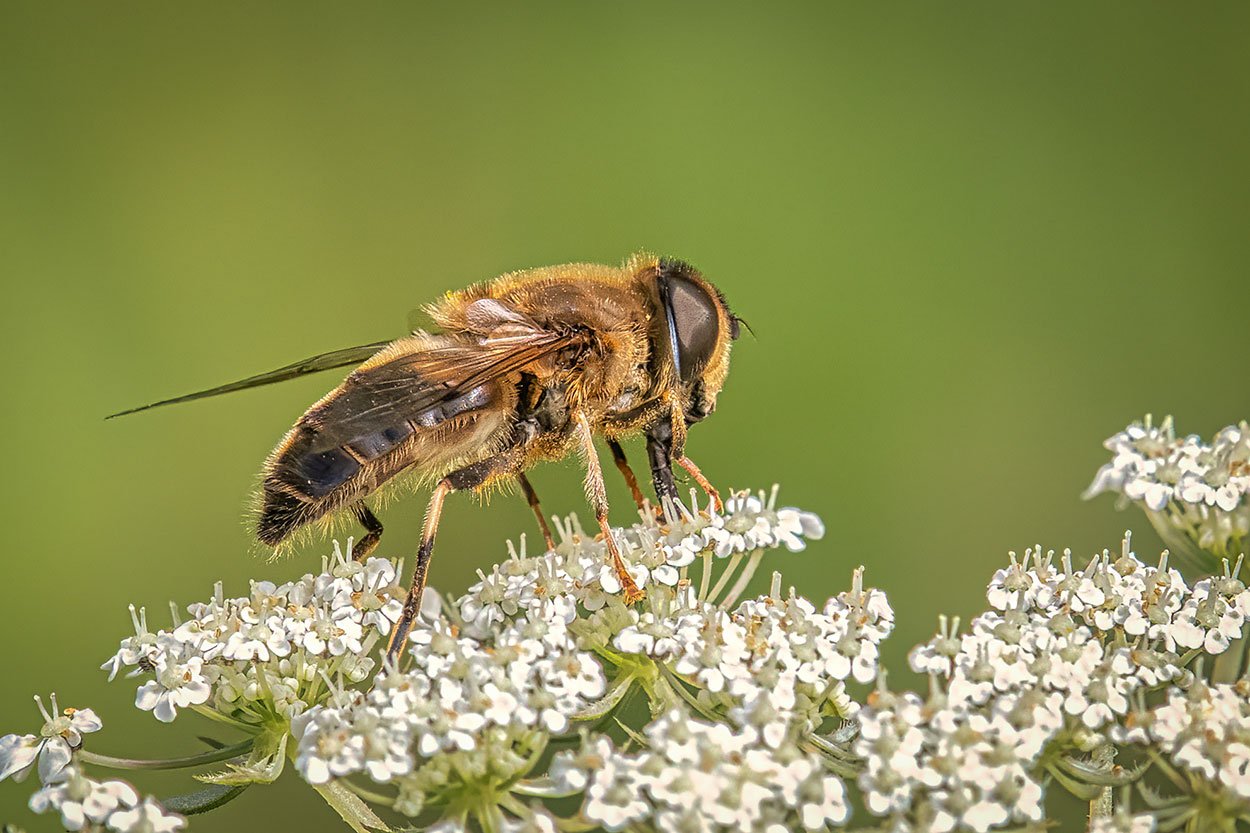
201	801
632	735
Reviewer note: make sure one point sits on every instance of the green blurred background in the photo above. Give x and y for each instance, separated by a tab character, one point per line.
974	240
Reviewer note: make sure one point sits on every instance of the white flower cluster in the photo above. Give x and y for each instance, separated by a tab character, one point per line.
541	642
1152	609
82	802
468	712
86	804
940	768
504	696
657	557
268	653
772	662
1063	654
697	776
1205	732
1187	486
776	665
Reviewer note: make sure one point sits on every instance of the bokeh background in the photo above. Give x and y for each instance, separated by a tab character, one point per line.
973	240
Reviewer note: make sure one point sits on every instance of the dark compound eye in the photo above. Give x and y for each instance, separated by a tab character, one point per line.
693	319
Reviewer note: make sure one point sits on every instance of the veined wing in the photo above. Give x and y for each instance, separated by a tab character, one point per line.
312	364
423	388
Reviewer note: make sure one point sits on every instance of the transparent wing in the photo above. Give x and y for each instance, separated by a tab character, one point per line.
312	364
426	386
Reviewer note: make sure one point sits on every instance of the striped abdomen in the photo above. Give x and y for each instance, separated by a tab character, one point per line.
385	418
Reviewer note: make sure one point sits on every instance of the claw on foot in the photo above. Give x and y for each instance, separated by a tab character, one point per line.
631	591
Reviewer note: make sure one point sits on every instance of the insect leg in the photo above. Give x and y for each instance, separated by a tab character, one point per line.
618	457
412	604
597	494
532	497
373	532
688	464
469	477
659	440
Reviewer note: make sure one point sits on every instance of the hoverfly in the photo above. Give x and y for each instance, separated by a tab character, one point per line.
525	368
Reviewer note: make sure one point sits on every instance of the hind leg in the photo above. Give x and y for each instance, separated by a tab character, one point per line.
469	477
373	532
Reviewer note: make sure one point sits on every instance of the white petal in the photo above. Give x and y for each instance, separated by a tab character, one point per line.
17	752
165	710
54	758
85	720
148	695
316	771
72	816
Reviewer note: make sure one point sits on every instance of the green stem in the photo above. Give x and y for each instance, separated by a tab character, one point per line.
676	685
369	795
705	583
1227	667
213	714
734	561
743	578
210	757
1104	804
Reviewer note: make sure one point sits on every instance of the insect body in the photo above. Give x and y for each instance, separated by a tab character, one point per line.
524	368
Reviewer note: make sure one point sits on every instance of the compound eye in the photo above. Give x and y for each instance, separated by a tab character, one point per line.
694	322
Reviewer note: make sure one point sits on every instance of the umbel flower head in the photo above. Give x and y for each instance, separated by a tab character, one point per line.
510	708
543	643
691	774
265	655
82	802
1197	494
1058	667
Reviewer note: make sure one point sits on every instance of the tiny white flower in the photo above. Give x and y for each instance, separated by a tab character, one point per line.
52	748
81	801
177	685
148	817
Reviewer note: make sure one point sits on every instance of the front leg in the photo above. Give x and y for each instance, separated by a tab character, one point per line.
663	449
688	464
659	443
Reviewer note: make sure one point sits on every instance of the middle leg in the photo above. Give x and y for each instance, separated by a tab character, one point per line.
532	497
597	494
618	457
